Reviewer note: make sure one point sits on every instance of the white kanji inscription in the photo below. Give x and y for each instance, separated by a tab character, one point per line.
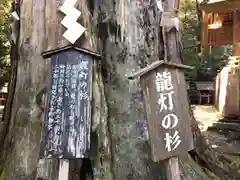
172	142
54	92
170	121
56	69
83	85
73	96
83	65
55	75
83	75
83	95
164	81
162	101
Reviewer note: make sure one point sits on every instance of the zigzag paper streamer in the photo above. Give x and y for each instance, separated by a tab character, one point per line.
74	29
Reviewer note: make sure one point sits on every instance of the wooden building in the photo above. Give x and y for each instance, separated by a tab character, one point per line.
206	91
3	95
3	98
201	92
221	24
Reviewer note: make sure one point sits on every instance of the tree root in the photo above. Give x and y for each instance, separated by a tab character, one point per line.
221	166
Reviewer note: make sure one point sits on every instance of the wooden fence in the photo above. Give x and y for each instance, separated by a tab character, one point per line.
227	99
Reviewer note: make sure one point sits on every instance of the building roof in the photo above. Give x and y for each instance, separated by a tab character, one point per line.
47	54
219	6
155	65
205	85
211	1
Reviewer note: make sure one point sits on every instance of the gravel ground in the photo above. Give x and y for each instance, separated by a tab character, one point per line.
219	140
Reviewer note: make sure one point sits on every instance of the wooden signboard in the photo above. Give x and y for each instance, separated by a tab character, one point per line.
167	111
68	113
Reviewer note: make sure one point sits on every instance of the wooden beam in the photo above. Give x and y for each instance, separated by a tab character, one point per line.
221	7
236	24
49	53
146	69
172	164
205	47
155	65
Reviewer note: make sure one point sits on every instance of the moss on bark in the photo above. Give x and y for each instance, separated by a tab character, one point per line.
125	33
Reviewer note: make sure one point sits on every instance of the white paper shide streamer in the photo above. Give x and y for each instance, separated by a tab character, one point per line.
15	15
74	29
168	21
159	5
13	26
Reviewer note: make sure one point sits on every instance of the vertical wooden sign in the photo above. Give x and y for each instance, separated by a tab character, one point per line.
68	114
167	111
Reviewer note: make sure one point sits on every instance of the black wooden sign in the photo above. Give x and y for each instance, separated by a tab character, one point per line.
68	114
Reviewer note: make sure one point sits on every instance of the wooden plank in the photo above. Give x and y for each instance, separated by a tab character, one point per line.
155	65
236	25
237	120
68	112
63	172
210	1
205	85
180	100
176	65
167	106
173	169
146	69
221	36
205	47
221	7
50	53
227	126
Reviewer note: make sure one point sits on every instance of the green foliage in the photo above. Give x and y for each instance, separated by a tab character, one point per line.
5	7
191	39
190	31
2	175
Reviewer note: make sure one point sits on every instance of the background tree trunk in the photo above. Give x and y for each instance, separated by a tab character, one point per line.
126	34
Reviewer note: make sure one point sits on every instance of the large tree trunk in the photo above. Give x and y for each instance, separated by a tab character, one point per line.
125	33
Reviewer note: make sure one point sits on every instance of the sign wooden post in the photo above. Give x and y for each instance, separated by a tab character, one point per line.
66	133
172	53
167	111
63	173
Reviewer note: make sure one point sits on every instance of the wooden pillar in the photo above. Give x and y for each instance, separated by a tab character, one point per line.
63	172
173	169
205	47
236	41
172	164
